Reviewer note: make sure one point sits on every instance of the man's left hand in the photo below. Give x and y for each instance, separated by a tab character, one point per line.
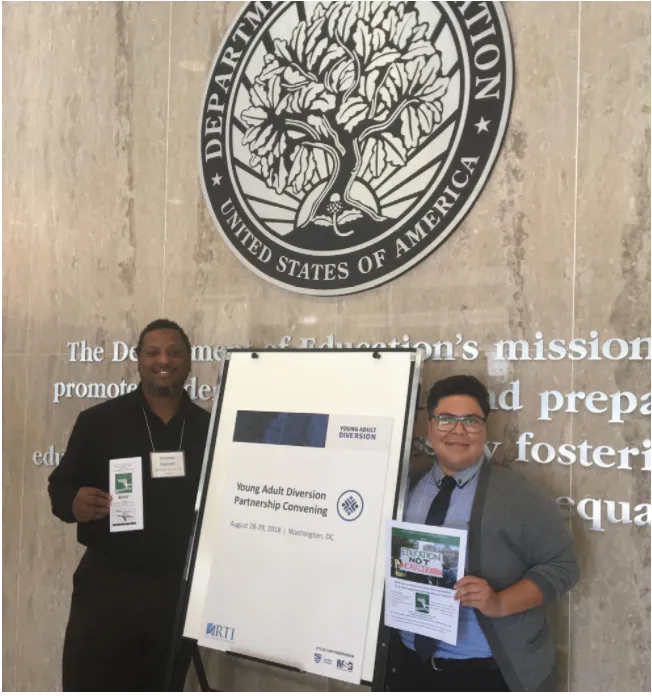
478	594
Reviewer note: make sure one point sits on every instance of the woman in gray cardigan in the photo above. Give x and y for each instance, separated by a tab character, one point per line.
520	558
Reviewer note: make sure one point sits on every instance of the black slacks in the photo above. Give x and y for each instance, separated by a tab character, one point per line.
412	674
120	628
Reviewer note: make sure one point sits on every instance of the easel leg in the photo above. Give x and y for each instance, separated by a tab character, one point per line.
199	668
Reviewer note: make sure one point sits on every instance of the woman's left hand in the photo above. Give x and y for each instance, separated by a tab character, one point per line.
478	594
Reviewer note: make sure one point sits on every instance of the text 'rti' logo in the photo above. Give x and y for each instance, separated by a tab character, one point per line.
220	632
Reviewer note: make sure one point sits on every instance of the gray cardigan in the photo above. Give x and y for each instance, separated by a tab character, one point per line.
515	532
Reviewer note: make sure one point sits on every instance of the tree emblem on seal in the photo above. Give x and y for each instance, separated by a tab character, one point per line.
359	82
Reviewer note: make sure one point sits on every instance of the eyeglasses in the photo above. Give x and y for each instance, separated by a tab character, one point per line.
447	421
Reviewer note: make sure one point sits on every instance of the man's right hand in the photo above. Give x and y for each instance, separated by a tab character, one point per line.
90	504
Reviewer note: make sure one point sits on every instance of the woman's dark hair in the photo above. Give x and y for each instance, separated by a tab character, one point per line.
456	385
162	324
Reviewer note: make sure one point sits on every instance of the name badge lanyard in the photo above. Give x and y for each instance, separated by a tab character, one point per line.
151	439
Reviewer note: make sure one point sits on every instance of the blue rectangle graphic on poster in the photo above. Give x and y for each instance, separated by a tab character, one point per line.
281	428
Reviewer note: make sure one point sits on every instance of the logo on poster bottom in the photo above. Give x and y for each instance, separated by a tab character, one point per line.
350	506
346	665
317	658
422	603
221	632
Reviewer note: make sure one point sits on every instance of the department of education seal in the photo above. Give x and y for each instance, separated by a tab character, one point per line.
343	142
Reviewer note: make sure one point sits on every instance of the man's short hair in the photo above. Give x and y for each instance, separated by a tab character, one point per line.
163	324
459	385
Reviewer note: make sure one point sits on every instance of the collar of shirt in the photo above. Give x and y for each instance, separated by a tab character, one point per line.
461	477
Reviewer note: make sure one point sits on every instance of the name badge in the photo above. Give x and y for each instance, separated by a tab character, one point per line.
167	464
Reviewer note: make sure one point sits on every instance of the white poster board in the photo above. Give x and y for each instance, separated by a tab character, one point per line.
301	479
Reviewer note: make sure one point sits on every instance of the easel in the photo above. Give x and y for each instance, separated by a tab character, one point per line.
408	413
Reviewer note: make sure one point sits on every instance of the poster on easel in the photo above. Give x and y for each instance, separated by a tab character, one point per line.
299	520
303	470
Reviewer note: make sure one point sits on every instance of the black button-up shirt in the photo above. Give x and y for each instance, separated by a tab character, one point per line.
117	429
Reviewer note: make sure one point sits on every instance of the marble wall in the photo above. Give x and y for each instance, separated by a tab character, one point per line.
105	228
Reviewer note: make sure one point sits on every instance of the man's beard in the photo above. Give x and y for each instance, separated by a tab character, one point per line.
162	391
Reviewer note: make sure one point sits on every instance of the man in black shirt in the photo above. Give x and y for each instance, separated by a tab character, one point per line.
126	587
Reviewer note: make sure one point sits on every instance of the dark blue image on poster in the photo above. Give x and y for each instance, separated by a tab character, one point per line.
279	428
